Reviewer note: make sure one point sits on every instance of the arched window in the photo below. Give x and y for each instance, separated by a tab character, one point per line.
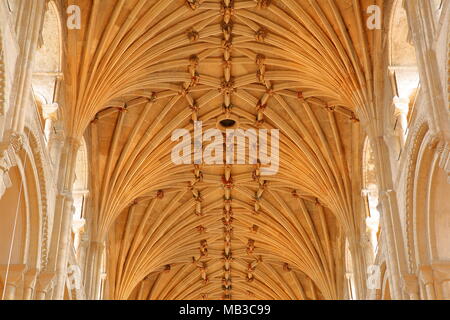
21	225
13	226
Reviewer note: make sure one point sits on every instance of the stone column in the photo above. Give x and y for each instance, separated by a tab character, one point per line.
96	251
82	252
29	283
63	245
389	217
64	208
11	276
29	26
426	276
350	285
359	274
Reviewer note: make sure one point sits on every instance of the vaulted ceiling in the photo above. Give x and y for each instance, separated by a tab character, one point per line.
139	69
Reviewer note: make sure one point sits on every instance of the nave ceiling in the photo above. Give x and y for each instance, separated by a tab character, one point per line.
137	70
